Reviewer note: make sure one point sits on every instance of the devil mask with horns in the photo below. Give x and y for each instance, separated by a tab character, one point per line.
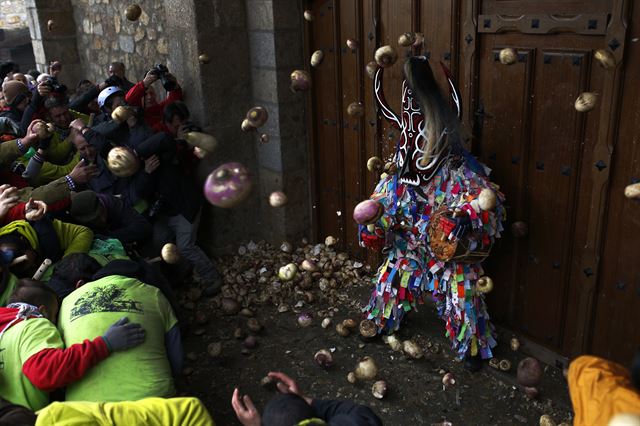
429	131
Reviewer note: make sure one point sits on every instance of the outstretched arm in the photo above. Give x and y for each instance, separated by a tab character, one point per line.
52	368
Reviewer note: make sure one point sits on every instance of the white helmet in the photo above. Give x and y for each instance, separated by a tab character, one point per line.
104	95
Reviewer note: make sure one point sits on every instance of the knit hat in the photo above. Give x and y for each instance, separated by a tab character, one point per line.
12	90
85	207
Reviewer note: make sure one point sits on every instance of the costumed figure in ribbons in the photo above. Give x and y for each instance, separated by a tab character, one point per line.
436	227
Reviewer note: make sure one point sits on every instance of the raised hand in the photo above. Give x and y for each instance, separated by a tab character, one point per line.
287	385
150	78
83	173
151	164
35	210
245	410
8	198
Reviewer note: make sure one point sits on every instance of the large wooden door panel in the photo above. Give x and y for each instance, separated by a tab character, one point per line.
505	141
532	137
573	283
329	186
614	330
552	162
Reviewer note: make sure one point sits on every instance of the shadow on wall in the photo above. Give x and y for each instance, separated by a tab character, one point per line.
15	45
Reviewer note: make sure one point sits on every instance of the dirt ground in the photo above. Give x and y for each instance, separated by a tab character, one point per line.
415	396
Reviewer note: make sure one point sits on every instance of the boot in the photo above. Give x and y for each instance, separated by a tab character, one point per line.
473	363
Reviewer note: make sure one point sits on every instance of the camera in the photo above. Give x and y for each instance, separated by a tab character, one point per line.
161	71
55	86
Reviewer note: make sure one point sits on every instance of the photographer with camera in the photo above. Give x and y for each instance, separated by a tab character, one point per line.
85	99
143	94
47	87
179	202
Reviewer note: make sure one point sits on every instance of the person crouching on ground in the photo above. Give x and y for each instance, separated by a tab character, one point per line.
141	373
33	357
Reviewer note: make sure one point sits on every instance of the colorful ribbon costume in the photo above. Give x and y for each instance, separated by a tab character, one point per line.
450	180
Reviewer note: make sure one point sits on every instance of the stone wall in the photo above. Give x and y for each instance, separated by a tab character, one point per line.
15	40
13	14
55	42
276	49
104	35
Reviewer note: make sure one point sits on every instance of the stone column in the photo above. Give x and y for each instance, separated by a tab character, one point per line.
57	42
218	95
275	43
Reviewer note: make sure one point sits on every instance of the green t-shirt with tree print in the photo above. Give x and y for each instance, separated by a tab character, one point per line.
137	373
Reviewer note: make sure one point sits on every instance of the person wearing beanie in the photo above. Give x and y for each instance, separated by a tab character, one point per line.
17	96
107	215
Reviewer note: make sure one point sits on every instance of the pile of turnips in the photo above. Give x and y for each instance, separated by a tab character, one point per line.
294	279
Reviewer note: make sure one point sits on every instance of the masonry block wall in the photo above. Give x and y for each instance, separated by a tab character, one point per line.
56	41
104	35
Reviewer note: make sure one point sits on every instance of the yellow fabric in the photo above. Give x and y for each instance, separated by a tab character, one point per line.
12	281
72	238
19	343
23	228
50	171
147	412
9	152
599	390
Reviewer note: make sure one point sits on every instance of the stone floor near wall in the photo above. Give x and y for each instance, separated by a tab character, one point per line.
217	359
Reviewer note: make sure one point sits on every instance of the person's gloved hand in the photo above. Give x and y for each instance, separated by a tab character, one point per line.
123	335
463	225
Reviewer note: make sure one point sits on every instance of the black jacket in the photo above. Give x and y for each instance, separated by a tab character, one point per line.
345	413
123	223
132	189
176	188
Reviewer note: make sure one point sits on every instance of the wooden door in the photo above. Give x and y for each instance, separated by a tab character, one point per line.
341	144
553	163
562	171
614	326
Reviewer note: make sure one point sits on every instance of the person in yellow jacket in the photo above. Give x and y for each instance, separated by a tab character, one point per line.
148	412
602	389
57	189
44	239
58	150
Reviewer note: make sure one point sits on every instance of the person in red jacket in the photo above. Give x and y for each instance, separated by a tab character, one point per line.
143	95
33	360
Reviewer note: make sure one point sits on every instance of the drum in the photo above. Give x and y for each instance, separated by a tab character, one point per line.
440	226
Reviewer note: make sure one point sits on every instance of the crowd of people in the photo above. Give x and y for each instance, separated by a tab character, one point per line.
96	337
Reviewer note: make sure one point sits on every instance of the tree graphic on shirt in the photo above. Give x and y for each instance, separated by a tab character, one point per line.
108	298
